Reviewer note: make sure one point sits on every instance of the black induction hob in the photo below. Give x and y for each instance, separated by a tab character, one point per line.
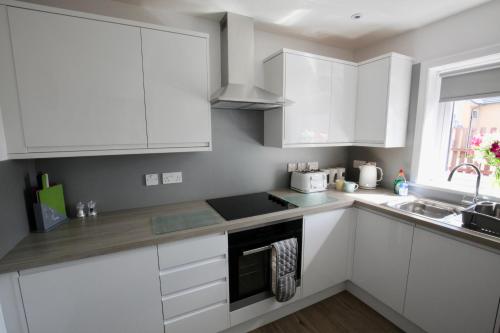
240	206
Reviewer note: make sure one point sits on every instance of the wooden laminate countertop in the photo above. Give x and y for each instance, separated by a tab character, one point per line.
129	229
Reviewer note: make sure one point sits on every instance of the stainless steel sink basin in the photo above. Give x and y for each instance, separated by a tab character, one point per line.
428	208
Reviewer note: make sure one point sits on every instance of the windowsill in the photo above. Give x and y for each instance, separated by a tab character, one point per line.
459	190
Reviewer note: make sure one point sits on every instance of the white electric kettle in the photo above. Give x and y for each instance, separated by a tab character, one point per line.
368	176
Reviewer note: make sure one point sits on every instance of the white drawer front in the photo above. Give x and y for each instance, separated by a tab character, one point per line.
193	275
194	299
210	320
190	250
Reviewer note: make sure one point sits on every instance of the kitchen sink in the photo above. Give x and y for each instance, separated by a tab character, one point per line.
428	208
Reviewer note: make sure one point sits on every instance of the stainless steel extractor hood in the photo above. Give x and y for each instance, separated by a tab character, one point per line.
237	69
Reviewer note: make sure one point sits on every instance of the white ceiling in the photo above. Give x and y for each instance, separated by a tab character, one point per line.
326	21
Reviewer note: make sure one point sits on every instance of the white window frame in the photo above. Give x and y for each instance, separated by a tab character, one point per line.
429	140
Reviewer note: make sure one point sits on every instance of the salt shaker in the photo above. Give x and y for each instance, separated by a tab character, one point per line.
80	210
91	205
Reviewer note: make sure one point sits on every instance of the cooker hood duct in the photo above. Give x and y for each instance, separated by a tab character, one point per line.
237	69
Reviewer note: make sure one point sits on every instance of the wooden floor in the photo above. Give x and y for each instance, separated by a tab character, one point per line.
340	313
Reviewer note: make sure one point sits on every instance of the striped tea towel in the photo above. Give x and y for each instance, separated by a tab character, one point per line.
284	266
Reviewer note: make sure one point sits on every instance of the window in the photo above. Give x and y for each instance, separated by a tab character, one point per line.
473	123
458	110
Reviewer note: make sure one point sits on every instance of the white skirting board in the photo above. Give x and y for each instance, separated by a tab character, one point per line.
391	315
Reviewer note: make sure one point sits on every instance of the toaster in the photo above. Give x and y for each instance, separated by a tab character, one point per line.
309	181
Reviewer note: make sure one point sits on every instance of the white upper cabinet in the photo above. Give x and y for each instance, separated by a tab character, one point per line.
343	102
321	98
116	293
381	257
80	82
307	84
383	99
333	102
328	248
452	286
9	103
77	84
176	86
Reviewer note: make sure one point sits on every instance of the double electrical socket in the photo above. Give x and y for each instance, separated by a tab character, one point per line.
153	179
302	166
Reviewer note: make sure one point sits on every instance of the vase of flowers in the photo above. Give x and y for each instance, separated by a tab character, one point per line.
487	150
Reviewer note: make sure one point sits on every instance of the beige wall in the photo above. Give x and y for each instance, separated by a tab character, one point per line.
476	28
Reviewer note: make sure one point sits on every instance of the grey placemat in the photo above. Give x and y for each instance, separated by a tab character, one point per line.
309	199
183	221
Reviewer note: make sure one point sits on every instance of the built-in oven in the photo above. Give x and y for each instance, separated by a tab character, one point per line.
250	260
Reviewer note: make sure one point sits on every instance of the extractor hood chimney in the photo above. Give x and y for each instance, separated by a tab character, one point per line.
237	69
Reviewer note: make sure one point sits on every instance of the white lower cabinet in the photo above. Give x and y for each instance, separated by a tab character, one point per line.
115	293
452	286
12	318
194	288
328	246
381	257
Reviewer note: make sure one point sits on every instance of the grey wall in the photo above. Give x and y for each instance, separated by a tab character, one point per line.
239	163
13	213
391	159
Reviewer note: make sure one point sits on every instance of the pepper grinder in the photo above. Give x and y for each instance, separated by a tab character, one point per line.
80	210
92	208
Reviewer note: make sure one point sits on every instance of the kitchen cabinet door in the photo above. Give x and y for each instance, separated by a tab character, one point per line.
452	286
117	293
343	107
80	82
371	113
12	318
308	86
328	247
11	132
381	257
176	86
383	98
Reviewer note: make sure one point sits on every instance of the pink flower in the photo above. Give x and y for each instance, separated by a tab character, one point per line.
495	148
476	141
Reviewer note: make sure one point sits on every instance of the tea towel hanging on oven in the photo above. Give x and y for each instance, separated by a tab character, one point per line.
284	267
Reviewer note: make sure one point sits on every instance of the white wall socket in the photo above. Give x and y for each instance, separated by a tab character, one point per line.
312	165
292	167
172	177
151	179
357	163
301	166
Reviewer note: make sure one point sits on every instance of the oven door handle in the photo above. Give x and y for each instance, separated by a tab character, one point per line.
257	250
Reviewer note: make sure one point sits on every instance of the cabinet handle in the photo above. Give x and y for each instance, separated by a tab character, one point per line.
257	250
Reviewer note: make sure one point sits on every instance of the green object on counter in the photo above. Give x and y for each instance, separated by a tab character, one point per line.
183	221
309	199
50	210
400	184
51	197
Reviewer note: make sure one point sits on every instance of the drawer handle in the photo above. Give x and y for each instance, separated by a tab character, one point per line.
257	250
